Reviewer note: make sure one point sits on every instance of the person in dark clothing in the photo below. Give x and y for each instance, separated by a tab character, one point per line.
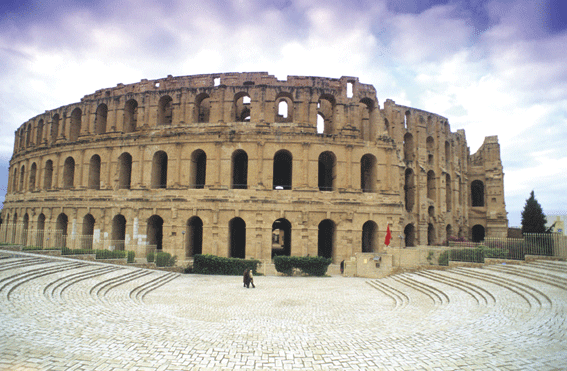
247	278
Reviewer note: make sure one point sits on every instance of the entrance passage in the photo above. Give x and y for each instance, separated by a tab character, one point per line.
118	232
281	238
194	238
155	232
326	238
409	235
237	238
369	237
478	233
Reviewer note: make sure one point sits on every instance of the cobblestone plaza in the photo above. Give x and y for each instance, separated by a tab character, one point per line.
64	314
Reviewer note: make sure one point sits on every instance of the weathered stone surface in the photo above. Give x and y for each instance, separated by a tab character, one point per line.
234	165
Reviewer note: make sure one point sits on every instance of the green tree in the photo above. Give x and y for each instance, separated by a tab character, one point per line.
533	218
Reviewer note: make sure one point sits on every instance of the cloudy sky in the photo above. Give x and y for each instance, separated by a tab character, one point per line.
491	67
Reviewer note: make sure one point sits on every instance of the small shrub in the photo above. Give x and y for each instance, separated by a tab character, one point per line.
150	257
108	254
211	264
32	248
444	258
312	266
164	259
131	256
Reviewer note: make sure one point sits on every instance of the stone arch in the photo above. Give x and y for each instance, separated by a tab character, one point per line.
281	237
477	193
101	118
408	147
194	236
448	231
48	174
447	153
284	107
407	117
159	170
130	116
203	107
366	123
25	228
165	110
125	171
409	235
22	187
409	190
87	232
326	239
430	234
477	232
326	108
94	172
33	175
54	128
75	128
155	232
368	172
370	237
14	228
39	132
39	237
118	232
431	185
237	238
282	170
15	180
28	134
69	173
327	171
61	230
387	126
430	143
198	175
448	193
239	176
241	107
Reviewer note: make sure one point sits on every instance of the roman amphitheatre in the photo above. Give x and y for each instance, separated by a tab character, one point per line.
245	165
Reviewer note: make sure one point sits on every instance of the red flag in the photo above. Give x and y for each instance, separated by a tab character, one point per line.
388	236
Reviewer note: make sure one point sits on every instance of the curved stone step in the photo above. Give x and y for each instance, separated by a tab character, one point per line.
67	281
480	295
437	296
400	298
138	293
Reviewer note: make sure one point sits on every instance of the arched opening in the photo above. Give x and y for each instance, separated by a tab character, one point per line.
33	173
282	170
431	184
198	169
203	104
100	118
237	238
368	173
431	211
282	110
39	133
320	124
54	128
408	147
15	180
124	171
447	153
61	230
430	234
281	238
477	193
369	237
88	232
118	232
366	124
28	135
284	107
430	150
130	116
69	173
159	170
22	178
194	237
14	228
94	172
327	171
40	230
387	126
326	107
75	128
409	235
407	120
155	232
165	110
326	239
448	193
25	228
239	170
409	190
478	233
48	174
242	107
448	231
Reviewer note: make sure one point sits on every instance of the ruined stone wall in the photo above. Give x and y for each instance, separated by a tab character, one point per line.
215	163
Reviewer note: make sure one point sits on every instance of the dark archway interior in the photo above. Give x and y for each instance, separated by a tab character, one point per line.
155	231
237	228
325	238
281	237
478	233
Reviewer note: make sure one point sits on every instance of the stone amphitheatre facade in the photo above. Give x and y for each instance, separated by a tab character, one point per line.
246	165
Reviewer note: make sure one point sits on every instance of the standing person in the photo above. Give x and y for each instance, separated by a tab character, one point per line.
246	278
251	278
